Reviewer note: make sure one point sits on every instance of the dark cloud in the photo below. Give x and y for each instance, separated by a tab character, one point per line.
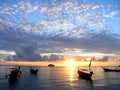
54	57
102	42
29	52
93	59
105	58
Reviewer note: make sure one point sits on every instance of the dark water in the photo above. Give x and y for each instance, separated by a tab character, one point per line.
60	78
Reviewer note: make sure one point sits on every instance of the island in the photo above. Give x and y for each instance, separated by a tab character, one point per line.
51	65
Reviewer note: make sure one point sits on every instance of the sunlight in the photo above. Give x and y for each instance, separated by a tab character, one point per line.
71	63
71	73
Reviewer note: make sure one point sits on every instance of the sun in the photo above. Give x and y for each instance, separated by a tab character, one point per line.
71	63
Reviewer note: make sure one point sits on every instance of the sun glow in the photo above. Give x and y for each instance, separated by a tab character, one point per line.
71	63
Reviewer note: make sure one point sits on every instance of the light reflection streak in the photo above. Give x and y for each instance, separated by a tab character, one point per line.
71	69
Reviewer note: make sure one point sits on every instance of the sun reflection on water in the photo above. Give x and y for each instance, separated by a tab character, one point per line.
71	73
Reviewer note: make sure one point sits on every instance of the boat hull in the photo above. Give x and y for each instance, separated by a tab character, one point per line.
111	70
84	75
14	75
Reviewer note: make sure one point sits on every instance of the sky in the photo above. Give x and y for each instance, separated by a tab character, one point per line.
54	30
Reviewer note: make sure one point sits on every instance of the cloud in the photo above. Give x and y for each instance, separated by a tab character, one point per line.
105	58
93	58
33	28
54	57
27	53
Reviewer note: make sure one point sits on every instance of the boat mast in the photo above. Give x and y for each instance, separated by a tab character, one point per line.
90	64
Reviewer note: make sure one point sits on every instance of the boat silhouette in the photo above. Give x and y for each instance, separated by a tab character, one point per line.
85	73
110	70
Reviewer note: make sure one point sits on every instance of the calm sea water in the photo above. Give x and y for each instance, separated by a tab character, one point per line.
60	78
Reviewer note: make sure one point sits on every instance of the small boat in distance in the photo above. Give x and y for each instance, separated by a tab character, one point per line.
33	71
110	70
51	65
85	73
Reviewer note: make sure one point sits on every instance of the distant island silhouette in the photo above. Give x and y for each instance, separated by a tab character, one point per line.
51	65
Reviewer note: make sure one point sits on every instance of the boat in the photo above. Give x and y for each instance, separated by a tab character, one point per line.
51	65
85	73
15	74
33	71
110	70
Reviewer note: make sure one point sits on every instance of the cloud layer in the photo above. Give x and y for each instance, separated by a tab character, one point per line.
32	28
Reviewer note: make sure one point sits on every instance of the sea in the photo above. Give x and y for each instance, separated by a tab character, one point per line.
59	78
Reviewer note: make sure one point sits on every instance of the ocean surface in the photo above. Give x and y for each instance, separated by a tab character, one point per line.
59	78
